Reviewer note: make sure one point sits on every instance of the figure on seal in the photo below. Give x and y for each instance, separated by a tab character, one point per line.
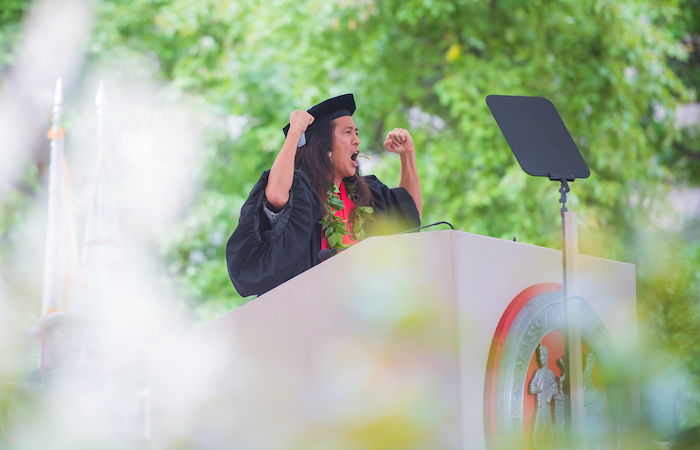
544	387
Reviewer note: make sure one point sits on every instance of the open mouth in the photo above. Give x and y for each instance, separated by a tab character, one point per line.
353	157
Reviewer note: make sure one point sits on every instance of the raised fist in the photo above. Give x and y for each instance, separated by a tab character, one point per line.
299	121
399	141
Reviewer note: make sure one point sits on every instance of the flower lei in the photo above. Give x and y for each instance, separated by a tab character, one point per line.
334	228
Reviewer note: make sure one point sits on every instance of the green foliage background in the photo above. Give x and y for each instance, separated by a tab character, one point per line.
615	70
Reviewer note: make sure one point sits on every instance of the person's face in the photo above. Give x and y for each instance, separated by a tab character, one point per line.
543	356
346	147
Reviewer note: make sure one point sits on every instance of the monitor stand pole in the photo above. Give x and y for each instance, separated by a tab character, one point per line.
573	381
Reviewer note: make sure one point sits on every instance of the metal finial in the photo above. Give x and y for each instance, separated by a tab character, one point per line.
100	97
58	95
57	108
100	104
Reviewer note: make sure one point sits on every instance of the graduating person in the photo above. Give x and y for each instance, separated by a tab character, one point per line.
314	198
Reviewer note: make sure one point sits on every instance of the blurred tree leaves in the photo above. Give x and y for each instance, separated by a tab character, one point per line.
615	70
11	14
605	66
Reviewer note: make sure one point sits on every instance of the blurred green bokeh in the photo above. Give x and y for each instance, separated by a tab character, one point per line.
617	71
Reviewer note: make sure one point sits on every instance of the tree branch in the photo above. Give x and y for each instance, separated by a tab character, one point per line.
686	151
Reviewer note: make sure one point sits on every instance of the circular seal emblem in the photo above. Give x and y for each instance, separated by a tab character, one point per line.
524	397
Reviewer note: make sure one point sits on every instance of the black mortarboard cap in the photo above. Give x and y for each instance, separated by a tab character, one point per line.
327	110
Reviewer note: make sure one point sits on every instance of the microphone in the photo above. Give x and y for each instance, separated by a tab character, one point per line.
426	226
327	253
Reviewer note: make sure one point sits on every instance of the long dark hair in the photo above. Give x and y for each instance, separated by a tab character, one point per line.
313	159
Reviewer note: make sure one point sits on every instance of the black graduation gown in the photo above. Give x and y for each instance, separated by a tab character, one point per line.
261	257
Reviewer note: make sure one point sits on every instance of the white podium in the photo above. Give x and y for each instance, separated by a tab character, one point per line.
385	346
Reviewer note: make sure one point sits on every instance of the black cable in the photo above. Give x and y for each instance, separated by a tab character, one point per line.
427	226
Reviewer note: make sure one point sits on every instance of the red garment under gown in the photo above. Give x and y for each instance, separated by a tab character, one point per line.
345	214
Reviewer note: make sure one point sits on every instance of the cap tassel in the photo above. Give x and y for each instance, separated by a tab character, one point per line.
302	140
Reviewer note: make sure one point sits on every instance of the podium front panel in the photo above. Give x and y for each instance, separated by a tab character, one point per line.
382	346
